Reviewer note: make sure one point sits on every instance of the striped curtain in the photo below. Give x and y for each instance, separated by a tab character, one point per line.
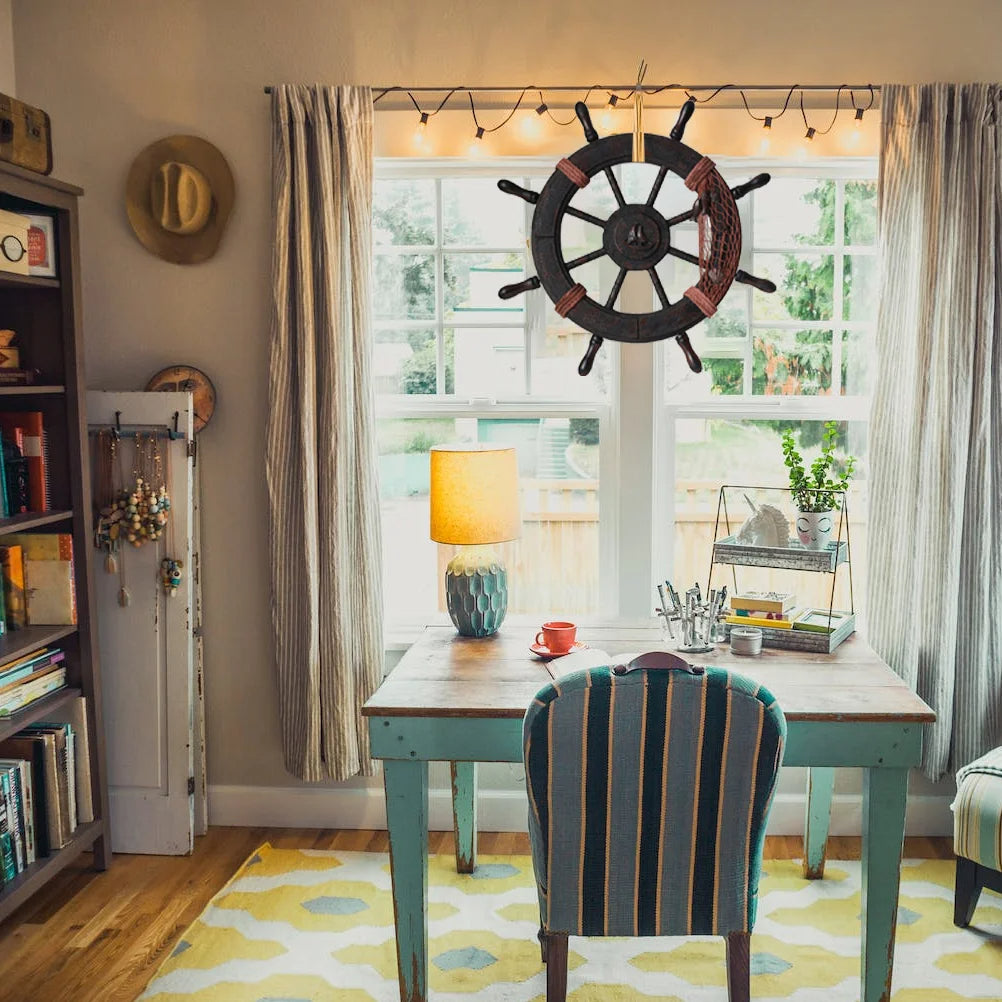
320	451
935	583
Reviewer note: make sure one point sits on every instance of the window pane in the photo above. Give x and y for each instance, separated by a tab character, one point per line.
792	362
489	362
476	214
404	286
791	211
710	453
558	344
726	375
861	212
803	287
403	212
860	285
857	362
471	287
558	470
404	361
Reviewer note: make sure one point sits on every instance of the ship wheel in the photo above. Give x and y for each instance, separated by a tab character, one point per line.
637	237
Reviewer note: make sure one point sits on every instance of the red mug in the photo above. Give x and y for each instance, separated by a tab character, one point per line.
557	637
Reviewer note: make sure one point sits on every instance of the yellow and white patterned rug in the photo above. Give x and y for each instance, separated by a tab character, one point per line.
308	926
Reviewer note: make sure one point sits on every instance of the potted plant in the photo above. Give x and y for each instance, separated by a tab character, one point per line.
816	492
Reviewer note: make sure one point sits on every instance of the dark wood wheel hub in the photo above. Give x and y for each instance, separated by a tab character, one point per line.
636	237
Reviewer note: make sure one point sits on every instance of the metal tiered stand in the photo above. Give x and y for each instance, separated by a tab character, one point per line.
795	556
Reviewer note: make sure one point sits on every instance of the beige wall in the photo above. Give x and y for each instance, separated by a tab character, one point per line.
117	74
7	85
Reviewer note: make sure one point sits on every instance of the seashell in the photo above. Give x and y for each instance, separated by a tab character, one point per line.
766	527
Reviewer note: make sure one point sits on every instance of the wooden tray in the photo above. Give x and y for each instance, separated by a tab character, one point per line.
794	557
805	640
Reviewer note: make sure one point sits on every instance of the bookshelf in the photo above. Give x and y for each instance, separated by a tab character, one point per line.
46	314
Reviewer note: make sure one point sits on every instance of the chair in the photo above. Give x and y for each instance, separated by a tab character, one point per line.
977	833
649	790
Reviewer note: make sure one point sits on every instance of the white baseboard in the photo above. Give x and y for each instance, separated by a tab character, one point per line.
502	810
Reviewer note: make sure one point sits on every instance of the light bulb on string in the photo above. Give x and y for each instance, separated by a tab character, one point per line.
421	130
532	125
858	120
606	119
476	148
766	143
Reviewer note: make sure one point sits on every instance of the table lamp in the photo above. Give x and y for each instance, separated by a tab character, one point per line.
474	502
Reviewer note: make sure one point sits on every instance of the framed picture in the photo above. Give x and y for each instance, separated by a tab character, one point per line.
42	246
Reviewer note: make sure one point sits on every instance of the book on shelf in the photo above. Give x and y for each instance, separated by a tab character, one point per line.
25	804
8	859
31	751
32	673
49	581
74	713
8	789
29	692
764	601
31	427
65	774
39	750
12	569
25	668
772	623
18	377
17	498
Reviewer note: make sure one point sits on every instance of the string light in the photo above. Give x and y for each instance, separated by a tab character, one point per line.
421	130
530	124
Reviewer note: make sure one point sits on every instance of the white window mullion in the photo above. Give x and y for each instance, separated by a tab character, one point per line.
439	293
838	290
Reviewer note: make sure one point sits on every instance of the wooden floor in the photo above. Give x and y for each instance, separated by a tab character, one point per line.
99	937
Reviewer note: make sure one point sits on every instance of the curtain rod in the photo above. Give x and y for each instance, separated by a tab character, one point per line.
647	88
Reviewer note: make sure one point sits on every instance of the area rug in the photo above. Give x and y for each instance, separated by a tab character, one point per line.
309	926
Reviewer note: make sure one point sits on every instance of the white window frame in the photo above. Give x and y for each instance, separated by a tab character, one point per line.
636	423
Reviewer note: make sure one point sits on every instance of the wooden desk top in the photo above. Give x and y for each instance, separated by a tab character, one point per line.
446	675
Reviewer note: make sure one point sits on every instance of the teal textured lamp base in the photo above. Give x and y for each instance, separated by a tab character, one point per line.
476	591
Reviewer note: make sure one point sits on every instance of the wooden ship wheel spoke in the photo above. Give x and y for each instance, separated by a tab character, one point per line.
637	237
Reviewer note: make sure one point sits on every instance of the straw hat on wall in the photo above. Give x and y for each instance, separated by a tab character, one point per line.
178	196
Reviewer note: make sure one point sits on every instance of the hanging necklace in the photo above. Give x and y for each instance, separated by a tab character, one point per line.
170	566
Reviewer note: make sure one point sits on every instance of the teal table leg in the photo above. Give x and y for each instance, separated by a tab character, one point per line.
884	794
406	786
464	814
818	815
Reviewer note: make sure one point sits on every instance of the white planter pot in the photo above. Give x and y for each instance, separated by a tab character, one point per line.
814	528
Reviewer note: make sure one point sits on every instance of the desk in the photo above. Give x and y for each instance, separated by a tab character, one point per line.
461	700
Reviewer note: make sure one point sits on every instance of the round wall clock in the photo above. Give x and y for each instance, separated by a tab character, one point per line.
186	378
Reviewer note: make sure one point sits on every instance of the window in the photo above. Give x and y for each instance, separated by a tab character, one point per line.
455	363
618	470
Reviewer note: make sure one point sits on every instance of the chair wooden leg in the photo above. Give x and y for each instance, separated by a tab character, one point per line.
555	949
739	967
966	891
541	936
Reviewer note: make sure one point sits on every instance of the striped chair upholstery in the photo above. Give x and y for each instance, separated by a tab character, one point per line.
649	793
977	832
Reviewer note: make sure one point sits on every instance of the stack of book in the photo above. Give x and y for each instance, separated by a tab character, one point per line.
778	611
30	678
45	787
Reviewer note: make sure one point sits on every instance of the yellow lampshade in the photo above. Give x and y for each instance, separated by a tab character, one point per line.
474	495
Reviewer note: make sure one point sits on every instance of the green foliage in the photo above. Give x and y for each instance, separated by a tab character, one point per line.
817	490
419	373
584	430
